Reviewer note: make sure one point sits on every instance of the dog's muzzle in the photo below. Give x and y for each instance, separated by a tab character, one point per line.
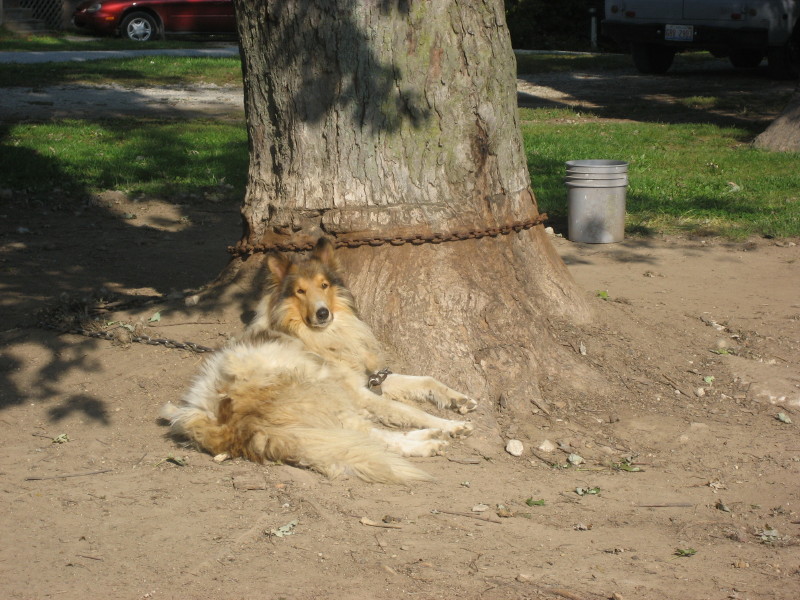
322	317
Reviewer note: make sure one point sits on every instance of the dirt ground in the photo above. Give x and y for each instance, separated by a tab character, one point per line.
686	486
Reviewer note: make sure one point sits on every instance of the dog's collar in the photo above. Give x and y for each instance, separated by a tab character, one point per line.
376	379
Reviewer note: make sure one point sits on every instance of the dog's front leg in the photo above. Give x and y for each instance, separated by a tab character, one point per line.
420	442
415	387
398	414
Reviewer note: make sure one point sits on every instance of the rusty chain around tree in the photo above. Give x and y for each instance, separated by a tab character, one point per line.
46	321
242	249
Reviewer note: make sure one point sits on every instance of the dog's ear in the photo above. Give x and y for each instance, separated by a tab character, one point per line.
279	266
324	252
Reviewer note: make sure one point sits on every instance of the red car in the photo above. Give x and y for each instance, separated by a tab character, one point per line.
145	20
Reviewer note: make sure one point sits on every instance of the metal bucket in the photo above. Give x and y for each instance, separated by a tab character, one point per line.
596	192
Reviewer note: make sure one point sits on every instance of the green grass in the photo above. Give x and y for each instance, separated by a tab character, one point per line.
10	42
694	178
701	102
530	63
141	158
143	71
689	178
686	177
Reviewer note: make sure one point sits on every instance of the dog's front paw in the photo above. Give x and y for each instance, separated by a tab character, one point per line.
463	404
446	397
425	434
460	429
433	447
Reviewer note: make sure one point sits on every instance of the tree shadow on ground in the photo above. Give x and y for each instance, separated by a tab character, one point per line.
693	91
59	241
60	244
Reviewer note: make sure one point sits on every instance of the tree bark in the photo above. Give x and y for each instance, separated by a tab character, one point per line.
783	134
395	118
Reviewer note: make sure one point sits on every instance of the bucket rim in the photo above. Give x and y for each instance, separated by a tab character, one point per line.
596	175
596	183
597	163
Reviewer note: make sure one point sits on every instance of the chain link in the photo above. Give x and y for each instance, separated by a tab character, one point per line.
107	334
242	248
79	316
378	377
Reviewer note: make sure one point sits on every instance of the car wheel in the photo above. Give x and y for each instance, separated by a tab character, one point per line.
745	58
139	27
652	59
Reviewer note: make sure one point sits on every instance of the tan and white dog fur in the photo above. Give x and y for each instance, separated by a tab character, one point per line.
294	390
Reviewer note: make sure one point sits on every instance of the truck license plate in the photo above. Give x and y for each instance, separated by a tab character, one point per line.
679	33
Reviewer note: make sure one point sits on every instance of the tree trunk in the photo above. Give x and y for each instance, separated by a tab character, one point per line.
379	119
783	134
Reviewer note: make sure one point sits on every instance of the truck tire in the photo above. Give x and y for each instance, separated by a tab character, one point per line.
784	61
652	59
745	58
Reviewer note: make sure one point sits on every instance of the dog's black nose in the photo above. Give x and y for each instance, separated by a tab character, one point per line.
323	314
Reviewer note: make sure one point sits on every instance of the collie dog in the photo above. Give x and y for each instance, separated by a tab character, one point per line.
296	389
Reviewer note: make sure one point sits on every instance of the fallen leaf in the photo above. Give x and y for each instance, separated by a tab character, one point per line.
155	318
285	530
723	351
627	467
783	418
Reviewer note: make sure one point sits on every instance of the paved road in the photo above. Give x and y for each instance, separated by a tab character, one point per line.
85	55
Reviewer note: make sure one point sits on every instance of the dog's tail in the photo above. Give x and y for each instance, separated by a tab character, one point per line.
200	427
331	452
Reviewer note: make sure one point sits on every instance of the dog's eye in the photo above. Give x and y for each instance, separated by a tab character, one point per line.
300	291
325	285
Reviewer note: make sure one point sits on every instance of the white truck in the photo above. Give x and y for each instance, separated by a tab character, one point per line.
744	31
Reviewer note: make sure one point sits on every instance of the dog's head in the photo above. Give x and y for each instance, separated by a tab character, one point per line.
308	291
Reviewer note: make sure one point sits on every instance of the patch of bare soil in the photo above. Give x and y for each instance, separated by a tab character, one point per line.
684	483
118	101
